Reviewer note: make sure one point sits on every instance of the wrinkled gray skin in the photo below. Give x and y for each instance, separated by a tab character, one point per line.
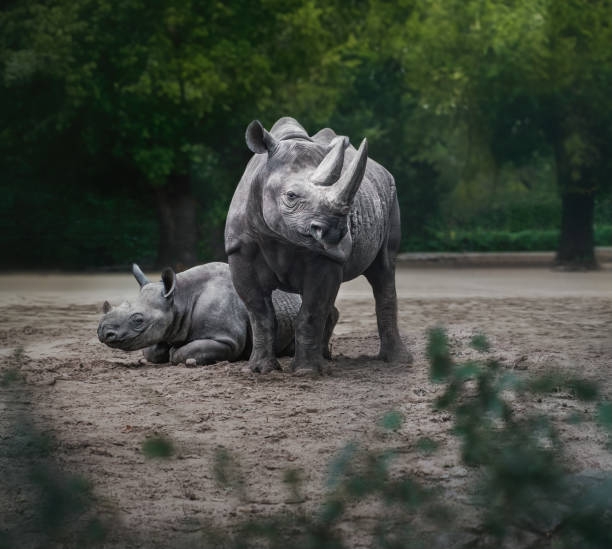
308	214
195	314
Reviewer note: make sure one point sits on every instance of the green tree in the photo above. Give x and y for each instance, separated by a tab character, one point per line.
525	78
167	87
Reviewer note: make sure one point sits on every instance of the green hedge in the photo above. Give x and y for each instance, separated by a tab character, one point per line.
481	240
69	228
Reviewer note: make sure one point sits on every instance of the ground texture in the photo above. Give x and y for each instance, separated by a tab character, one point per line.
101	404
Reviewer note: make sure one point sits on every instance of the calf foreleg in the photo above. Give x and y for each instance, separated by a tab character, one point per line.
158	353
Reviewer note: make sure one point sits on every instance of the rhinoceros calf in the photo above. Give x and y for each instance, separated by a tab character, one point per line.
196	314
308	214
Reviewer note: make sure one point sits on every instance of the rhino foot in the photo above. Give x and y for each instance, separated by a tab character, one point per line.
395	354
316	367
264	365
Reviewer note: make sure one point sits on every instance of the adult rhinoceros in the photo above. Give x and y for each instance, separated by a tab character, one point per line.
308	214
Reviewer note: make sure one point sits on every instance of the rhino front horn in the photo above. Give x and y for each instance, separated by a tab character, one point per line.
345	189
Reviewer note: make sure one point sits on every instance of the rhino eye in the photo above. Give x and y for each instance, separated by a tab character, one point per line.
137	320
291	195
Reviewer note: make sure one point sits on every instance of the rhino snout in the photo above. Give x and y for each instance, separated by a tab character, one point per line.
318	230
108	334
326	233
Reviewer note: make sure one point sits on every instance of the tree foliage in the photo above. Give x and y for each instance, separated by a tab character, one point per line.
475	106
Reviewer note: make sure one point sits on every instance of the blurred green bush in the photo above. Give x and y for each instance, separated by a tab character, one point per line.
521	491
484	240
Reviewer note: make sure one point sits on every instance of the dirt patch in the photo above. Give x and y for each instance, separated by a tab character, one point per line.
101	404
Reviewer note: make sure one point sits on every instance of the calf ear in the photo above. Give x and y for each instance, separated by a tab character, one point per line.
106	306
259	140
169	279
139	275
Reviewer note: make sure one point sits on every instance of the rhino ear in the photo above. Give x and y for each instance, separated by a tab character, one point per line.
169	279
139	275
106	307
259	140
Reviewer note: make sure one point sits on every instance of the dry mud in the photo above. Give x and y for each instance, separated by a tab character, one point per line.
101	404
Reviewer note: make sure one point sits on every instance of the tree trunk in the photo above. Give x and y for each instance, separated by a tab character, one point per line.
577	242
178	227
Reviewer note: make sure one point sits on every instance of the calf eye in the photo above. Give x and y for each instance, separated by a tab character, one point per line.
137	320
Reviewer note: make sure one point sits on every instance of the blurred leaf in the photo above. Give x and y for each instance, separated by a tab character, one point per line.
10	377
467	370
157	447
427	445
340	465
584	389
392	421
544	384
480	343
604	415
438	354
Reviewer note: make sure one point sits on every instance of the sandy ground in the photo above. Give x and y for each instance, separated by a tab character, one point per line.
101	404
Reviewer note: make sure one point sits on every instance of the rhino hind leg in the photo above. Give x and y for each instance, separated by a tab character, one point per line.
330	324
313	325
381	276
382	280
203	351
158	353
289	350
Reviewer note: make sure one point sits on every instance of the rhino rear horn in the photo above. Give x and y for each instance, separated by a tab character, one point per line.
345	189
330	168
139	275
259	140
169	279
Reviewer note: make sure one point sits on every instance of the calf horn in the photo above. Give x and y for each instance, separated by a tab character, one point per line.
139	275
345	189
330	168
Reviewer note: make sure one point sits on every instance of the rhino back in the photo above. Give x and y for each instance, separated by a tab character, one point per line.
286	307
237	216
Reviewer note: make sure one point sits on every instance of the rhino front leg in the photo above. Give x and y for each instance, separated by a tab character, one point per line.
158	353
204	351
311	335
262	317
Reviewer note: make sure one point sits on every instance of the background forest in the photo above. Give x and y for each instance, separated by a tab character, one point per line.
122	135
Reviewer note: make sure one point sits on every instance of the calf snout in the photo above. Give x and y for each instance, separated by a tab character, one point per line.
107	334
110	335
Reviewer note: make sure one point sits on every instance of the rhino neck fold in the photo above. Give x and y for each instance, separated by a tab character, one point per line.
183	313
256	223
